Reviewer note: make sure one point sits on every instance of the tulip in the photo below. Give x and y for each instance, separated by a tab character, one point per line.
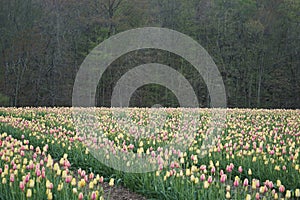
240	169
248	197
236	183
249	172
74	190
22	186
93	196
223	178
111	182
31	183
188	172
12	178
38	172
281	188
28	193
288	194
43	174
27	178
257	196
210	179
254	184
49	196
278	183
297	192
80	196
81	183
68	179
228	188
257	183
213	170
246	182
60	187
73	182
91	185
202	177
205	184
192	178
221	172
227	195
270	184
49	185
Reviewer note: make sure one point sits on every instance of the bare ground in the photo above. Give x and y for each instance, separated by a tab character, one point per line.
120	193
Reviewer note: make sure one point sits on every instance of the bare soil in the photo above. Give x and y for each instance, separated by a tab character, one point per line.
120	193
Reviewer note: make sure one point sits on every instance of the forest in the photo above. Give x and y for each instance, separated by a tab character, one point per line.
254	43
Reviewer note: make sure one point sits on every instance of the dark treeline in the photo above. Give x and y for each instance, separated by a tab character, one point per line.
254	43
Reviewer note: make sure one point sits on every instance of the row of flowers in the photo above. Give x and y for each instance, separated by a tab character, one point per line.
29	172
255	148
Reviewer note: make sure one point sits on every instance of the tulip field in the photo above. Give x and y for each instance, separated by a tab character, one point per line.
255	155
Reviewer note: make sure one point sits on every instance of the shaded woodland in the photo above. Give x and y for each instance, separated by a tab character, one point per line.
254	43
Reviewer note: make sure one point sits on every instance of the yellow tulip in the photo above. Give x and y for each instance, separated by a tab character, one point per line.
81	183
227	195
278	183
50	196
188	172
206	184
297	192
249	172
91	185
111	182
31	183
74	190
28	193
248	197
73	182
60	187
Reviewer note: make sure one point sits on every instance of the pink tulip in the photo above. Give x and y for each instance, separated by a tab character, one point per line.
80	196
27	177
210	179
172	165
101	179
38	172
223	178
221	172
202	177
43	174
236	183
270	184
22	186
240	169
91	176
68	179
93	196
246	182
281	188
257	196
12	178
257	184
213	170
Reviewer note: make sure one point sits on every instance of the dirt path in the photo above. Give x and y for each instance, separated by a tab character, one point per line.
119	193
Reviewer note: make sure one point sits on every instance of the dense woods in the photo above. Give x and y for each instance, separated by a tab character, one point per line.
254	43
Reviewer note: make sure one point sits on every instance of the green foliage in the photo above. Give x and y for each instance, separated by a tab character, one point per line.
254	43
4	100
